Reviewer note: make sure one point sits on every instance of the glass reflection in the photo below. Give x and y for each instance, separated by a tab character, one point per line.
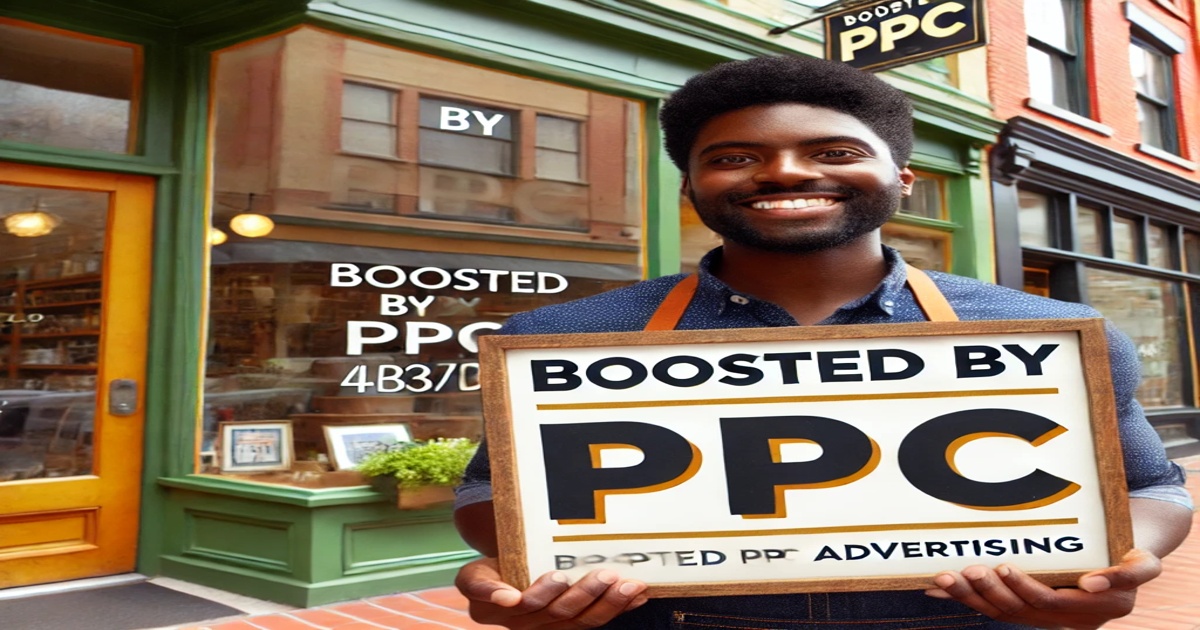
50	298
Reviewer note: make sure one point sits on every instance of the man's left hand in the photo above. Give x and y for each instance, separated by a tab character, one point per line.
1007	594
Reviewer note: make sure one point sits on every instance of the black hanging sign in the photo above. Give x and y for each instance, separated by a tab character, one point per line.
898	32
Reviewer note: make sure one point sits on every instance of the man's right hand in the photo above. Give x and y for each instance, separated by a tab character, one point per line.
549	603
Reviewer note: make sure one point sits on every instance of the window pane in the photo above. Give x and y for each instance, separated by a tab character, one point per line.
1191	252
51	292
449	242
1050	21
1158	244
919	250
1125	239
1048	78
926	198
1150	120
561	165
466	118
66	91
557	133
1148	311
364	102
1089	230
1149	72
367	137
1034	219
468	152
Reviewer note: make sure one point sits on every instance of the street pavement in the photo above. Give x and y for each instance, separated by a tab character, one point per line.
1171	602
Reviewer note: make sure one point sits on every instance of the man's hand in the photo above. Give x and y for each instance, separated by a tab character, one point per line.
1007	594
549	603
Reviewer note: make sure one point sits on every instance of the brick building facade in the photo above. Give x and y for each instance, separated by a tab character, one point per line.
1095	182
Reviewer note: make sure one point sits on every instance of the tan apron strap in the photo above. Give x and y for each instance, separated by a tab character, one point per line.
926	293
671	310
929	298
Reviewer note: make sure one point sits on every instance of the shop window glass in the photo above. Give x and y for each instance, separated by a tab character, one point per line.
927	198
923	249
1034	219
1089	230
558	148
1125	239
51	289
1191	252
66	89
368	120
1158	247
363	304
1147	310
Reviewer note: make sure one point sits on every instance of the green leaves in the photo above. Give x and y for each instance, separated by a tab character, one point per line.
438	462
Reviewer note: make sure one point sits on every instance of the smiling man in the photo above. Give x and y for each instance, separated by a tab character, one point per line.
796	163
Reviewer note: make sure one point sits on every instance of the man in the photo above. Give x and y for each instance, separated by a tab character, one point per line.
796	163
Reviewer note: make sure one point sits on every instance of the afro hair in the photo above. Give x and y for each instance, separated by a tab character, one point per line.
788	79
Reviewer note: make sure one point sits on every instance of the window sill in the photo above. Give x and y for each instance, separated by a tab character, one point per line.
1069	116
1165	156
370	156
274	493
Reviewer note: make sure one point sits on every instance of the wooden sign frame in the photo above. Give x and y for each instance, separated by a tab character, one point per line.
1106	495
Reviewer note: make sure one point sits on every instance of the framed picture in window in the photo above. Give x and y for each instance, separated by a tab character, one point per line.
256	446
350	445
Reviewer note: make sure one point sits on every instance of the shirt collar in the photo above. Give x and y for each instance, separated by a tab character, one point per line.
884	297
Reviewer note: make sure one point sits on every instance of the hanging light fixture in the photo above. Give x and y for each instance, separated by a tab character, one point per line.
36	222
251	225
216	236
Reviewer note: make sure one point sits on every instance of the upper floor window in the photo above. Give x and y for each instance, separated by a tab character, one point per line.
1057	69
467	136
368	120
67	90
1152	77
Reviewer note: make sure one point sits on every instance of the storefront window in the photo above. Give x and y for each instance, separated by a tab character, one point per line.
1125	239
1158	247
1149	311
1034	219
66	89
927	198
409	214
1191	251
1089	230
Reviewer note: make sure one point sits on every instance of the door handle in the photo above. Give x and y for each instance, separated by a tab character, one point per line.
122	397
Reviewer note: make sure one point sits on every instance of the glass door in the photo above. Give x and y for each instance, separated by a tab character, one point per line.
74	304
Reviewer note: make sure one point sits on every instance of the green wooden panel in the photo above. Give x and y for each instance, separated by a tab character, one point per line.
246	541
372	547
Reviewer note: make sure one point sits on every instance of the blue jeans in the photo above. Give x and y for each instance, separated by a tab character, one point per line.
893	610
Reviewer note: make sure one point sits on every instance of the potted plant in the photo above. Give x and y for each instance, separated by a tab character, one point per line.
423	474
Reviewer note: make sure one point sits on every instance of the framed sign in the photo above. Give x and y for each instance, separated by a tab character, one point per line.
830	458
256	446
350	445
890	33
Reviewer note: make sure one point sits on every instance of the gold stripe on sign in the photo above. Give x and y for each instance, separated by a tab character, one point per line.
801	531
769	400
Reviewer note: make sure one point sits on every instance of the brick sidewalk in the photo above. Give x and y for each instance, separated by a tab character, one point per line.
1169	603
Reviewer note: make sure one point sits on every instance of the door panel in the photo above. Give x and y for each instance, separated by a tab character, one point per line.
74	304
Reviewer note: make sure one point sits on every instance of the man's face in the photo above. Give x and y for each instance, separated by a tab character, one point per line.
792	178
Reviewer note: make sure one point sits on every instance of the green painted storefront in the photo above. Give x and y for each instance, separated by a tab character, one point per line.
308	547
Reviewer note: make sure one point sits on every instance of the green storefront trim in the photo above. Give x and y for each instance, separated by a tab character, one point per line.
308	547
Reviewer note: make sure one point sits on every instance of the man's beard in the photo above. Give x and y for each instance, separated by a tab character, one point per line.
861	214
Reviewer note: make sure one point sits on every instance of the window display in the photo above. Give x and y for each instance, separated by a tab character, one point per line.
406	216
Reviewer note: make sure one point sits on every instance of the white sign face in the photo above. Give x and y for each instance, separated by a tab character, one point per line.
801	461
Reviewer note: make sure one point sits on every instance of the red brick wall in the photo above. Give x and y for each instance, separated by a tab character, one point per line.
1109	79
